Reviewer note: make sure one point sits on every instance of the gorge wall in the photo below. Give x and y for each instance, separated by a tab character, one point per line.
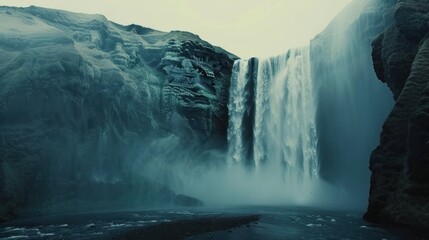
83	100
400	164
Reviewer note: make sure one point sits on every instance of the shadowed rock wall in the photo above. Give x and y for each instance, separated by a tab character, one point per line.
400	164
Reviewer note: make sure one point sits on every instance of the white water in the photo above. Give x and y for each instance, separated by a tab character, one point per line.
290	118
236	106
284	129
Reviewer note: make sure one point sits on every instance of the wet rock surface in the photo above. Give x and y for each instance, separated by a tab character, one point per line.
400	164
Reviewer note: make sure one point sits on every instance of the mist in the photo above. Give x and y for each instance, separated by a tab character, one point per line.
210	177
302	125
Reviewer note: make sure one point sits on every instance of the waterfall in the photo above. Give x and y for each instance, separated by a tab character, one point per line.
315	112
237	108
284	128
290	118
302	125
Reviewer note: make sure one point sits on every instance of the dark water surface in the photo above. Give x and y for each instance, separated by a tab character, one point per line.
274	223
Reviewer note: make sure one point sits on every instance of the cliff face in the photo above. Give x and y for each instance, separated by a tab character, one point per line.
400	165
81	96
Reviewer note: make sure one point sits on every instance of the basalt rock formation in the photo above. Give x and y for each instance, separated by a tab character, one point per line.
400	164
80	96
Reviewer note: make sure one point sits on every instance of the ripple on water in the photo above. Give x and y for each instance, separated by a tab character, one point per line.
12	229
313	225
181	212
46	234
116	225
90	225
16	237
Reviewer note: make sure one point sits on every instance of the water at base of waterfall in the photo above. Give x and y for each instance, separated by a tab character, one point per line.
274	223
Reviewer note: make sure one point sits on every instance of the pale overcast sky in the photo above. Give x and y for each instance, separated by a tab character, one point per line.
244	27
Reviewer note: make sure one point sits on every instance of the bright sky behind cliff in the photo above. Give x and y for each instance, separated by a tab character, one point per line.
246	27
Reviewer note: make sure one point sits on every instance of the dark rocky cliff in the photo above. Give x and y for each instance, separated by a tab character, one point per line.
80	98
400	165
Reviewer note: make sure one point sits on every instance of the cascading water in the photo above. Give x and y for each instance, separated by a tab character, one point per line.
237	108
289	121
284	128
318	112
302	125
